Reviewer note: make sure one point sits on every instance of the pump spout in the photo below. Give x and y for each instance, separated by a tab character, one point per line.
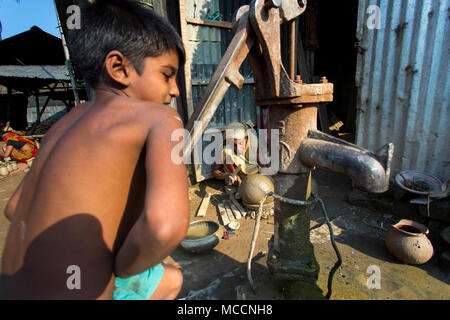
368	171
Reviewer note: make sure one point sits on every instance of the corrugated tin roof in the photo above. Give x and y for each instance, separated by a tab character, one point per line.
403	76
35	72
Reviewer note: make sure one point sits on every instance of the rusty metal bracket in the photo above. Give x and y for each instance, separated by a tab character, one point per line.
251	28
273	84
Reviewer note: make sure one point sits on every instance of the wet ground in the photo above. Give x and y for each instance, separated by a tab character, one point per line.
359	235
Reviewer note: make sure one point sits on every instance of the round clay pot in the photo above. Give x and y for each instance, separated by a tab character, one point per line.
408	242
14	165
4	171
254	188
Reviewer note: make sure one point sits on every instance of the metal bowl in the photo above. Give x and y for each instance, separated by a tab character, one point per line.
202	236
433	184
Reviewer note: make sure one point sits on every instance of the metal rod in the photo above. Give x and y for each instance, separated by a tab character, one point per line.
315	199
67	55
293	41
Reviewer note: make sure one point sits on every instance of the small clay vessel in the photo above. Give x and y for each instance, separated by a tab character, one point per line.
408	242
14	165
4	170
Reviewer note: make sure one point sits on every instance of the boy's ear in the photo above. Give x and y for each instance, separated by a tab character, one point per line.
118	68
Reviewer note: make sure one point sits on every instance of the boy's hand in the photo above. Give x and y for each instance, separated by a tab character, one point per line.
230	180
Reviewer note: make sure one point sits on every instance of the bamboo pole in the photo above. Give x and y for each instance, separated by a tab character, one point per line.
187	65
67	55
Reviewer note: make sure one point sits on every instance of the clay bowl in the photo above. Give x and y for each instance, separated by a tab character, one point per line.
202	236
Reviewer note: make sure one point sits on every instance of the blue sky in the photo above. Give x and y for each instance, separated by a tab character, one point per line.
19	17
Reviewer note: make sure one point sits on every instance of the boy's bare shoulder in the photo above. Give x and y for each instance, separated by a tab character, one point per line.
65	122
157	114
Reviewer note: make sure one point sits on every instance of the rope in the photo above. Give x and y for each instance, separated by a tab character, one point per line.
299	203
333	242
254	237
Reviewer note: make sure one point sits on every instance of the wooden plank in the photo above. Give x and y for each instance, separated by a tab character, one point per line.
187	65
229	212
223	214
199	174
236	212
210	23
242	209
236	203
204	205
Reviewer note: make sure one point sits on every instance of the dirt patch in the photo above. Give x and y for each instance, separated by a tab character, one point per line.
359	233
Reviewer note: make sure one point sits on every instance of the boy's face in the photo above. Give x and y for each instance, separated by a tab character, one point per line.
157	81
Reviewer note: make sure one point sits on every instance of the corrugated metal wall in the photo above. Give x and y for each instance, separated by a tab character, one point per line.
403	82
206	46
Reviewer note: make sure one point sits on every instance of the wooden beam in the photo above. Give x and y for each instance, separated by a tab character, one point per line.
228	210
9	103
223	214
187	65
38	120
210	23
204	205
47	101
236	212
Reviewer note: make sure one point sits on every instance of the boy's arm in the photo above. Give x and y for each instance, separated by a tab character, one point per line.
13	201
165	219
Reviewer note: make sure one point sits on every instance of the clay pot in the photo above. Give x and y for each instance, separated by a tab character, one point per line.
4	170
254	188
14	165
408	242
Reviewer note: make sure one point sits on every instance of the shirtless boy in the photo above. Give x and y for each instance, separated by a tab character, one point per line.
103	194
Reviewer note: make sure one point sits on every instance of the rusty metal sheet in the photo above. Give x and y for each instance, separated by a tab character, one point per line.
403	75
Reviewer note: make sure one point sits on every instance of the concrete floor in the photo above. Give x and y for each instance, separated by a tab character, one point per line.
359	234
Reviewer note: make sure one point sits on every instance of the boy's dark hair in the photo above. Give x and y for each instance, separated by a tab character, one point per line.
129	26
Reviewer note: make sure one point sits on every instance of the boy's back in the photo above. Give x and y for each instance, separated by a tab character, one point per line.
89	176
